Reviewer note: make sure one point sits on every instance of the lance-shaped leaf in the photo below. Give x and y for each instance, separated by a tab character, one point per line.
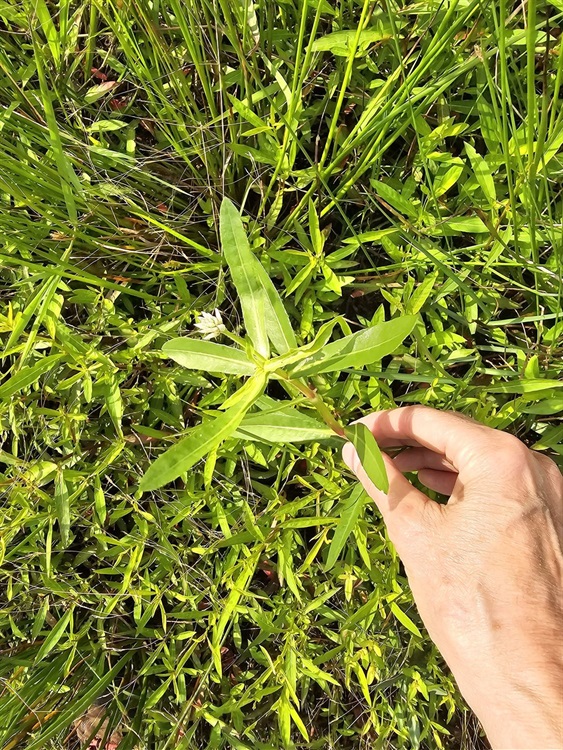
202	439
283	426
208	357
369	454
359	349
349	514
27	376
264	315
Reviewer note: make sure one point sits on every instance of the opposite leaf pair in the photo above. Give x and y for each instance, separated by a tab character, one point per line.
270	351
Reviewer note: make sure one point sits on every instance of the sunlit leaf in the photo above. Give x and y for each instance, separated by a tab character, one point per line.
359	349
207	356
405	620
201	439
283	426
62	507
482	173
349	515
264	315
27	376
369	454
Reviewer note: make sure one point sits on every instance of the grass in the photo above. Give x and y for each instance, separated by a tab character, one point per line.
389	159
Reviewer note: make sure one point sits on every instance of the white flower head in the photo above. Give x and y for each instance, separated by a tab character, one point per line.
210	325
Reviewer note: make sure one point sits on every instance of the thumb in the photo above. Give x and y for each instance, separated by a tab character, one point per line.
405	510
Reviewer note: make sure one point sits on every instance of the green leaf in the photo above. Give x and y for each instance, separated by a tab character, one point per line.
78	705
70	184
549	406
458	224
359	349
482	173
395	200
421	293
447	176
201	439
27	376
532	385
369	454
96	92
114	402
105	126
54	636
405	620
349	514
229	606
62	507
342	42
264	315
209	357
284	426
307	350
49	29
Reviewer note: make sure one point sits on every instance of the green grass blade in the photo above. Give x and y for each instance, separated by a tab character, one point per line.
63	720
28	376
239	587
67	176
54	636
482	173
62	507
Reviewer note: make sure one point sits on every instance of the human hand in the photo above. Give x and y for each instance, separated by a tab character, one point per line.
486	570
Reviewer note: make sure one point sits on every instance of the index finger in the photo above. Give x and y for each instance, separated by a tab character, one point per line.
454	435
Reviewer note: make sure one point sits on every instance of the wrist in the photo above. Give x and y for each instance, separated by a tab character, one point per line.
523	710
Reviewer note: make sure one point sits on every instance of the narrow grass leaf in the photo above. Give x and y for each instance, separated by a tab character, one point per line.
342	42
395	200
78	705
239	588
62	507
359	349
369	454
201	439
49	29
405	620
208	356
348	517
114	402
106	126
54	636
69	181
447	178
28	376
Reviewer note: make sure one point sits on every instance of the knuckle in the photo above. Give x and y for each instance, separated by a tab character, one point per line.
548	468
511	451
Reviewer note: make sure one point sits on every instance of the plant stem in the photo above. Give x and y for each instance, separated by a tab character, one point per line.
323	410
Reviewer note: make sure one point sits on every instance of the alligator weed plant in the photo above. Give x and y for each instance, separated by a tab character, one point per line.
270	351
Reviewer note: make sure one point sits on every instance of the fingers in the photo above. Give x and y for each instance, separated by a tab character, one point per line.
433	470
403	505
439	481
414	459
458	438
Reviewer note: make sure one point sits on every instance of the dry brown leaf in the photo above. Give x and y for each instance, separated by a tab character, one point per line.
93	726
